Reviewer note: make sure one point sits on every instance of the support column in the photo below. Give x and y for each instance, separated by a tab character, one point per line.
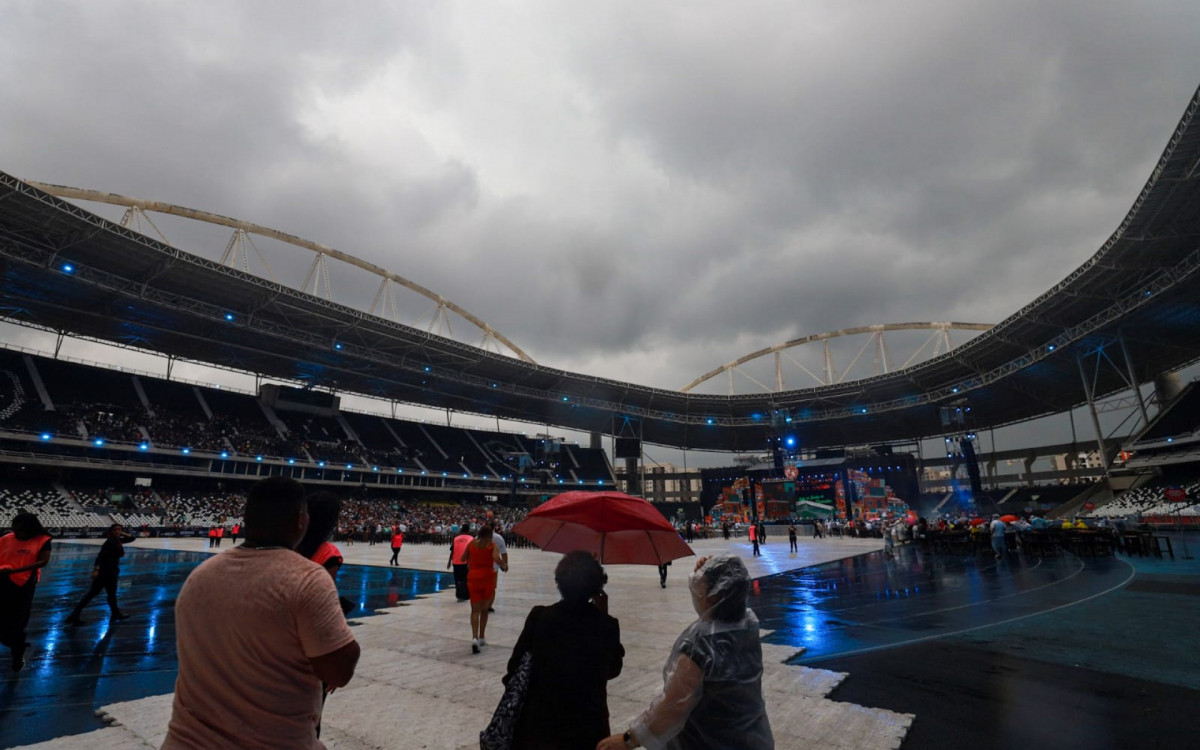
1089	389
1137	391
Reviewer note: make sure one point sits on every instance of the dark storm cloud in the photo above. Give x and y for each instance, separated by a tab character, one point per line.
628	189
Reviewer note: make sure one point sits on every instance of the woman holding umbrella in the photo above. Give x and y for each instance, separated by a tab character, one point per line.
480	556
575	649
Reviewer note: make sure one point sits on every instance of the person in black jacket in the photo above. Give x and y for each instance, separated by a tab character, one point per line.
576	649
105	573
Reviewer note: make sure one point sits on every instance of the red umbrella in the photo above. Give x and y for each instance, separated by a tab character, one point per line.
616	527
1009	518
976	521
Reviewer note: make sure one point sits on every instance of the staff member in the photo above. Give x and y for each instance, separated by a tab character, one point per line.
397	543
24	551
105	573
458	548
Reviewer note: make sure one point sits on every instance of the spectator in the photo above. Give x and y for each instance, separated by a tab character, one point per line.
712	684
277	614
105	573
480	556
575	647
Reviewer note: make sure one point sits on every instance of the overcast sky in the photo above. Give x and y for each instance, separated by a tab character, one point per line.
629	189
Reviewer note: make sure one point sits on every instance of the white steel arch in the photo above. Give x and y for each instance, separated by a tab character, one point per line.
831	374
238	253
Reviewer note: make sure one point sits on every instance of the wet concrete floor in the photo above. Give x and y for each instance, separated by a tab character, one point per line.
1020	652
72	672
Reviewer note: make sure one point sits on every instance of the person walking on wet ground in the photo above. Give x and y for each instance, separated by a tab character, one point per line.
817	532
24	551
662	574
997	528
752	529
712	683
574	648
458	547
792	547
725	530
480	556
397	543
258	630
105	573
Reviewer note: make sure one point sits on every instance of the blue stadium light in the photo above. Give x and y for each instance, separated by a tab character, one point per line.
864	410
1170	440
337	345
710	420
443	473
349	466
956	389
229	317
68	268
790	441
291	460
422	472
374	468
581	481
494	385
601	481
98	442
399	470
258	458
321	464
144	447
1050	348
566	399
186	451
465	476
426	368
788	420
46	436
224	454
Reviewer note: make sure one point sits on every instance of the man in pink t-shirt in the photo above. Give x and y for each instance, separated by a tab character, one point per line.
258	630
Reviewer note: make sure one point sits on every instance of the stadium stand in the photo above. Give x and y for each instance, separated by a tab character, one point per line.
103	427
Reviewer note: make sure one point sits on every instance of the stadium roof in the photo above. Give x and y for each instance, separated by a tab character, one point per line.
64	268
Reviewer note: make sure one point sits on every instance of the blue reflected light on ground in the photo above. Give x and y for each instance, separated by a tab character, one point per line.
874	601
71	672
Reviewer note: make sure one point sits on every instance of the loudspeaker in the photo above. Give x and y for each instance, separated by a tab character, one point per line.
628	448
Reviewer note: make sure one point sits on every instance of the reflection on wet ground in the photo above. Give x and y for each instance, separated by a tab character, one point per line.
1024	652
71	672
876	601
1020	652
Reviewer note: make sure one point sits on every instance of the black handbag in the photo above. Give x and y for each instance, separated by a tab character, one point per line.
502	729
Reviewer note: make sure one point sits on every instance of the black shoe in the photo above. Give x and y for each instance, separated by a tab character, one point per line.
120	616
491	609
18	658
663	584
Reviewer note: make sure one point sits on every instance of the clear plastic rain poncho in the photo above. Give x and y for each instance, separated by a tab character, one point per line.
712	682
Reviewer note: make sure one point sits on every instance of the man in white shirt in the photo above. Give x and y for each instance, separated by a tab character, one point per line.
503	549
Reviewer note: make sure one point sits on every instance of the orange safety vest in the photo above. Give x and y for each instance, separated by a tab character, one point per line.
17	554
397	539
212	533
325	552
220	532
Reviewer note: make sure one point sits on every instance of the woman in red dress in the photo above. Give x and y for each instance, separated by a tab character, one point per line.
480	556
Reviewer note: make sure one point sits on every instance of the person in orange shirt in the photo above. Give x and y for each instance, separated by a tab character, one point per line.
24	551
397	543
458	548
480	557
